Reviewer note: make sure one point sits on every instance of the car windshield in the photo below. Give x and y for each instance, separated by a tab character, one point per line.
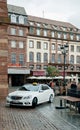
29	88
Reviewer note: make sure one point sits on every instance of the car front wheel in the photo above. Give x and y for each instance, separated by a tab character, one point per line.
51	98
34	102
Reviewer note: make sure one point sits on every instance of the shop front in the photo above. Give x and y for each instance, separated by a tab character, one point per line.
17	76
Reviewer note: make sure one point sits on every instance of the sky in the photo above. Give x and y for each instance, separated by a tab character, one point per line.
60	10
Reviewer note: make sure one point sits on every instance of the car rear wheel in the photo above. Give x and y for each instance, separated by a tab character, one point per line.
34	102
51	98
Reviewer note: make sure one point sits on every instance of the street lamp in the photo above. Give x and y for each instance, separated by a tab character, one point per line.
64	49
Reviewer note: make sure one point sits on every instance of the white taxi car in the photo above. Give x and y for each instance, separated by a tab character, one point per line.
30	95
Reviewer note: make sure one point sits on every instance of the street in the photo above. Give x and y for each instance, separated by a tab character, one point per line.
43	117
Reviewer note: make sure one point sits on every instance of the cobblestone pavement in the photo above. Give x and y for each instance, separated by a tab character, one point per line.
43	117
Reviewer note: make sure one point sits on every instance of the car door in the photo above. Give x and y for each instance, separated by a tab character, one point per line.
43	94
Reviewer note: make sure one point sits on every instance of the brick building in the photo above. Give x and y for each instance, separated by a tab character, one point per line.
3	48
39	40
32	43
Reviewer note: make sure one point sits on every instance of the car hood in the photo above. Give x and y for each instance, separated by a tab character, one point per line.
22	93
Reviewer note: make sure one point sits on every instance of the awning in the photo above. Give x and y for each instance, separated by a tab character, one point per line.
18	71
38	73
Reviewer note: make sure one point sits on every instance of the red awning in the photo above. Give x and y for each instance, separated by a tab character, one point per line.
38	73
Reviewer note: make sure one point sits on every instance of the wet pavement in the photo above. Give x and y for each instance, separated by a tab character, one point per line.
43	117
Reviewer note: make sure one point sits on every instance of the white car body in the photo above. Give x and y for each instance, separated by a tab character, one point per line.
42	93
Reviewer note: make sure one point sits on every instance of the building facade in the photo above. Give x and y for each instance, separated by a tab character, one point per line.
34	43
46	37
17	38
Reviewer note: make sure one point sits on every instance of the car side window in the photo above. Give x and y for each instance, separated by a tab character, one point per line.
45	87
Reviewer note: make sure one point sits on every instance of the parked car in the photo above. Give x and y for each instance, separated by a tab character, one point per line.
30	95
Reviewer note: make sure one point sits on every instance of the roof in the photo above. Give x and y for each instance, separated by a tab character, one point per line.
16	9
49	21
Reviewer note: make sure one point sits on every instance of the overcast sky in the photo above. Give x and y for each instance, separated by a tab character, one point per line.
61	10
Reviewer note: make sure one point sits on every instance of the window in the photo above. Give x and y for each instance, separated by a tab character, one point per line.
64	28
31	44
53	46
71	36
38	57
25	20
38	45
13	44
21	44
72	48
55	27
13	31
78	48
21	59
65	35
45	87
45	57
59	35
31	30
20	32
38	67
13	58
78	37
21	19
31	56
31	23
77	68
53	58
52	34
31	67
45	25
38	31
59	47
72	59
78	59
60	67
13	18
59	58
38	24
45	32
45	67
45	45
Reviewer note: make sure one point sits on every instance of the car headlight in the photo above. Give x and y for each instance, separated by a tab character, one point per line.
27	97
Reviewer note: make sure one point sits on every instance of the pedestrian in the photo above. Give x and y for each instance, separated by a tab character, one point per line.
52	84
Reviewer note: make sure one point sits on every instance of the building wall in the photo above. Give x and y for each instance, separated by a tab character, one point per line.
3	49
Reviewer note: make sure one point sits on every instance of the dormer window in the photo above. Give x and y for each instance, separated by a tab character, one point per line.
31	23
63	28
21	19
38	24
13	18
45	25
75	29
55	27
71	29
